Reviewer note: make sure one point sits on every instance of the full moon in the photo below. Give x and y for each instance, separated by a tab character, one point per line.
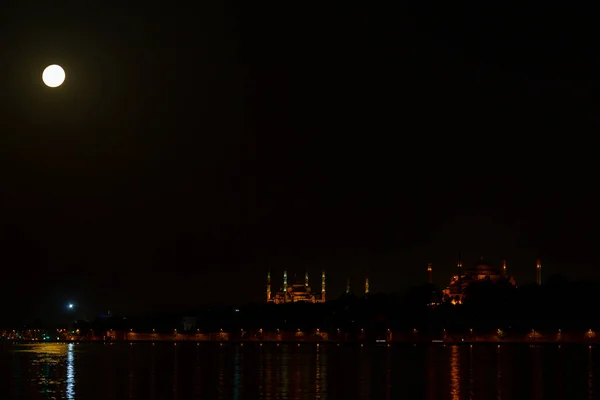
53	76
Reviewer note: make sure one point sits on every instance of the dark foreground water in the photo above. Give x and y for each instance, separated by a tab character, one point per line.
209	371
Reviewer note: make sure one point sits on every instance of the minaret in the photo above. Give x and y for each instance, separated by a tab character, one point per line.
306	279
429	274
504	267
366	286
285	282
269	286
538	273
459	268
323	286
348	286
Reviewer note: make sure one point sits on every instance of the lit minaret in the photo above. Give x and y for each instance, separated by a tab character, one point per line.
367	286
285	281
504	267
348	286
269	286
323	286
538	273
306	279
459	268
429	274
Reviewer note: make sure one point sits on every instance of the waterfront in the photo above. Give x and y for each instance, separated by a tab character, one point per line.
285	371
361	336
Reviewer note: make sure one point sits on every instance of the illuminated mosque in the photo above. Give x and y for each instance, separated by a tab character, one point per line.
481	271
299	292
296	292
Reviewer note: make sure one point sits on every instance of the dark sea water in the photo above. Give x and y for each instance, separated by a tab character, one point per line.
209	371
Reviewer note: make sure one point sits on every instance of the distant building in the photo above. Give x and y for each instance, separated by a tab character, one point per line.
429	274
482	271
296	292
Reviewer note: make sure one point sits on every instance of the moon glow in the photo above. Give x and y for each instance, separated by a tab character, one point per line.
53	76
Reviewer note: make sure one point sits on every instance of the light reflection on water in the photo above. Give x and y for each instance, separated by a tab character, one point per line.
538	372
70	390
187	371
52	369
471	377
237	373
590	380
455	372
152	373
499	376
174	366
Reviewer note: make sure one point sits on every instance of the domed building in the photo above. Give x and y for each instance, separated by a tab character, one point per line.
481	271
296	292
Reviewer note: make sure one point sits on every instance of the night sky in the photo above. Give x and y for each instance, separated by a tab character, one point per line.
194	147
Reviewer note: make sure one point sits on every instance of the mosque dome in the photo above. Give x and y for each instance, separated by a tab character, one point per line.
299	288
484	268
